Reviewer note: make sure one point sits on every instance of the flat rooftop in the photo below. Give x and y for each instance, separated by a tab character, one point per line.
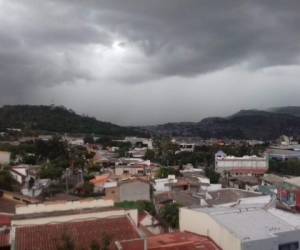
229	195
249	222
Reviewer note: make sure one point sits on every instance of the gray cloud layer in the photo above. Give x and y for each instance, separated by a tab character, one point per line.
47	44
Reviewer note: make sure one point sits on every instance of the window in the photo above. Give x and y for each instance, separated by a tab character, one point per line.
289	246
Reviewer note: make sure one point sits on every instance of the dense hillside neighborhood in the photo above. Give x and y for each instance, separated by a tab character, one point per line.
159	191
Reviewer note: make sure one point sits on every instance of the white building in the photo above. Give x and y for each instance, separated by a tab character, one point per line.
144	142
164	184
246	165
186	147
246	227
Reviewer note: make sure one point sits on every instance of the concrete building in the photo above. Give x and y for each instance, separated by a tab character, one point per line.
101	182
283	153
246	165
134	168
129	190
163	184
139	142
241	228
134	190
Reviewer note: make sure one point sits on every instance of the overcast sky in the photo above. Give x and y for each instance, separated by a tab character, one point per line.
138	62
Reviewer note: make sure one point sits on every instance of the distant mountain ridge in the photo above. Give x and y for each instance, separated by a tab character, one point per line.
245	124
56	119
291	110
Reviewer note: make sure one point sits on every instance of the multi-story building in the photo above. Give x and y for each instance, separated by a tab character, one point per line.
246	165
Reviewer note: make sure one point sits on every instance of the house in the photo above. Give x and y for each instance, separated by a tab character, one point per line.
131	167
163	184
129	190
242	228
186	147
139	142
101	182
169	241
249	183
23	172
246	165
4	157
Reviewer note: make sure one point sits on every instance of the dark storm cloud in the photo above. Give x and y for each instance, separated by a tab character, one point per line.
51	42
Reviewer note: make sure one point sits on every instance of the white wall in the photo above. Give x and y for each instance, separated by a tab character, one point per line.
62	206
202	224
133	214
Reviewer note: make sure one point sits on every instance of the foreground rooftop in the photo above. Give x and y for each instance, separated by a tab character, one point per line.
82	233
171	241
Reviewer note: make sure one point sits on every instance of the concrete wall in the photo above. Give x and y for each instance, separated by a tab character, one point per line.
112	193
202	224
255	163
134	191
133	214
62	206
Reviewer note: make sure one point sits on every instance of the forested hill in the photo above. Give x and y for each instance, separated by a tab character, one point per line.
56	119
245	124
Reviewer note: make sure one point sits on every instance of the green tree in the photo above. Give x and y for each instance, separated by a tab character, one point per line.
6	180
150	155
170	215
51	171
212	175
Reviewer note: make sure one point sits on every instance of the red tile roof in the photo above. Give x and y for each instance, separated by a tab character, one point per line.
4	238
5	220
172	241
83	233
